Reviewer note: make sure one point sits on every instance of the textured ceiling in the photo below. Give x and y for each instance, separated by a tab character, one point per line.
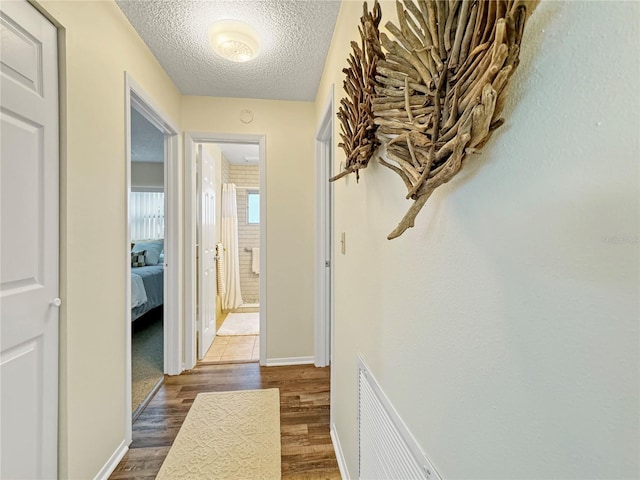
147	142
240	153
295	36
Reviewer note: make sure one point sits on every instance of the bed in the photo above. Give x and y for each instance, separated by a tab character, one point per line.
147	277
147	289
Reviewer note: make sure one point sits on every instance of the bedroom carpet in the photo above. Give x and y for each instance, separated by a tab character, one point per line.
240	324
228	435
147	356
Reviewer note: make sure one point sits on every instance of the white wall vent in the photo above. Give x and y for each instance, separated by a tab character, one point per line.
387	450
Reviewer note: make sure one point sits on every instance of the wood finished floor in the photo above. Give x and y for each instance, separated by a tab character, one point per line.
307	452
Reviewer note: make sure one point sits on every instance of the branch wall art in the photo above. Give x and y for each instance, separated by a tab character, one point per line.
439	89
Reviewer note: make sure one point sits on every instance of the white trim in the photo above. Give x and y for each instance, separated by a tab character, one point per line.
136	97
342	463
262	154
128	429
323	295
173	248
190	282
113	462
190	141
280	362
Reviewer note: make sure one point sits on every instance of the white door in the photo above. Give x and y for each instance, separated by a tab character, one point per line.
207	257
29	243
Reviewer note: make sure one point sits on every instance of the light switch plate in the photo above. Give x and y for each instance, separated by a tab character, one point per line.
343	243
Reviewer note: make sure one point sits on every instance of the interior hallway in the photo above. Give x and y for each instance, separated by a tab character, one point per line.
306	447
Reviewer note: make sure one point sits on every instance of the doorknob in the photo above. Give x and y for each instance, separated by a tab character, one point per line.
56	302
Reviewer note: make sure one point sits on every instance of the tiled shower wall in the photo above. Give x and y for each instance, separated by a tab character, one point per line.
248	235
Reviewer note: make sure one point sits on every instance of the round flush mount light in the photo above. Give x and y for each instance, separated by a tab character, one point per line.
234	40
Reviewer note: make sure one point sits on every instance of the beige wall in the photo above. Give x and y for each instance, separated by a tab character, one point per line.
289	129
99	46
504	326
147	175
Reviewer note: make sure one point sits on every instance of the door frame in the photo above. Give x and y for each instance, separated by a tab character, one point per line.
323	323
191	139
135	96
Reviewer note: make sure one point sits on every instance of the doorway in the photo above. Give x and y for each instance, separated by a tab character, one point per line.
237	236
153	244
147	236
242	194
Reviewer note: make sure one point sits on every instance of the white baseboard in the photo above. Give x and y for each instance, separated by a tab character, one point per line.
342	464
113	462
280	362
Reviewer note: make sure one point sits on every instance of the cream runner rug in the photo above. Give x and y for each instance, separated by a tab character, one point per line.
228	435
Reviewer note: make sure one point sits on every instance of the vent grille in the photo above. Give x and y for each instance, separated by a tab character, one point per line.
387	450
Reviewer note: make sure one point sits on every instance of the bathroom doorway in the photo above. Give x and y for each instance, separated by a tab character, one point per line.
237	180
239	240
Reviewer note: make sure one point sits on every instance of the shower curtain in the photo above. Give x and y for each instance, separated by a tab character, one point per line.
232	298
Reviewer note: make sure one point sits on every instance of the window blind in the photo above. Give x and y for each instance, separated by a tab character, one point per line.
146	213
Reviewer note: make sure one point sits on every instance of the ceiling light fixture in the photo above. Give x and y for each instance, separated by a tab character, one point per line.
234	40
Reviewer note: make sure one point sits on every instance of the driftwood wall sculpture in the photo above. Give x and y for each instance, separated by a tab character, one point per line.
358	130
441	87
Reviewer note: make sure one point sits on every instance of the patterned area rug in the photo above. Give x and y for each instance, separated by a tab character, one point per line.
240	324
228	435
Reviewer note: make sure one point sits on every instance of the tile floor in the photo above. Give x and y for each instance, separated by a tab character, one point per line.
237	348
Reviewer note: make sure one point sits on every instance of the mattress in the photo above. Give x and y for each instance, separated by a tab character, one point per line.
153	280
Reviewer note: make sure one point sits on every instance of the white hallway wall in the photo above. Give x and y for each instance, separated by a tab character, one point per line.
538	347
97	46
504	326
93	218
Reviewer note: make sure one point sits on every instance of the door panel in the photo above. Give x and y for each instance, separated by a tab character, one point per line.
29	243
207	242
22	174
22	374
21	53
